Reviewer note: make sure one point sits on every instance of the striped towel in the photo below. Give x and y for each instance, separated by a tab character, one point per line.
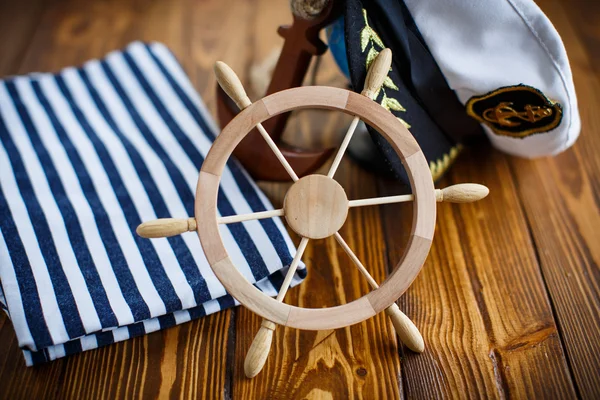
88	154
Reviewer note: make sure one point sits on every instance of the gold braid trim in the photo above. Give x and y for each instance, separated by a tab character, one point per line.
369	39
439	167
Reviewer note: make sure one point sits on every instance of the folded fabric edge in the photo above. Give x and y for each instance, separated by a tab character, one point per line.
269	285
91	340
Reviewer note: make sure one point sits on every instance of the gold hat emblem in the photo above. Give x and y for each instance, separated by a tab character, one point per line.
516	111
503	112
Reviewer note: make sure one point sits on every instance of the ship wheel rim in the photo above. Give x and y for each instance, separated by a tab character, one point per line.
424	208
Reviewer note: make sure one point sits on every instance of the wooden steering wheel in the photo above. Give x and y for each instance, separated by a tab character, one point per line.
316	207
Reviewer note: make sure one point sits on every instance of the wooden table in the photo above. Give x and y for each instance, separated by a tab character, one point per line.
508	301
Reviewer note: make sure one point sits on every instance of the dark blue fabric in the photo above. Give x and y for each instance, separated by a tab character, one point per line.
166	321
244	184
105	338
126	282
186	260
238	231
79	245
71	347
27	286
151	260
136	329
64	296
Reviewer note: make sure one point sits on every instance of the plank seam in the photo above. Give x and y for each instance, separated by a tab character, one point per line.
230	355
559	328
495	357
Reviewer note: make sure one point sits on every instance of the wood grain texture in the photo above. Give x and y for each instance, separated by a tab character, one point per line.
316	207
405	146
18	24
231	84
495	333
358	361
567	188
406	330
508	301
165	227
584	16
378	71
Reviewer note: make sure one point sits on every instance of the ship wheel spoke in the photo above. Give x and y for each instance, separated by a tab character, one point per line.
373	201
232	85
231	219
292	270
407	331
355	260
343	147
459	193
286	165
261	345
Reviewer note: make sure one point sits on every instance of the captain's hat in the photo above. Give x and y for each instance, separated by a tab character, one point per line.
464	68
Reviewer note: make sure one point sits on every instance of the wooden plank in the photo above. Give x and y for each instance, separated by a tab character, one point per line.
354	362
70	33
218	31
561	198
584	15
186	361
18	23
480	300
18	381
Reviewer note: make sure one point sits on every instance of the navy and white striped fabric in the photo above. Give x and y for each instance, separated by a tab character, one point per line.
88	154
